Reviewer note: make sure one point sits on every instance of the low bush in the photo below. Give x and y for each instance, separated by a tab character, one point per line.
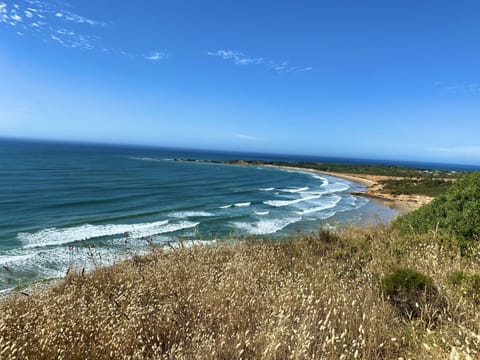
409	290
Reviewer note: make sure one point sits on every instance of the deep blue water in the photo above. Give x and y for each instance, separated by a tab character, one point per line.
64	205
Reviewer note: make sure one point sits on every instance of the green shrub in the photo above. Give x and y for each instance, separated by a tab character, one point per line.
409	290
456	212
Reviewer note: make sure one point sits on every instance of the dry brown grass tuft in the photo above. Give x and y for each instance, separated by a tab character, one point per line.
315	297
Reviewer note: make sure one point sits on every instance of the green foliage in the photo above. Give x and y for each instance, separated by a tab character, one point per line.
469	284
456	212
430	187
409	290
457	277
384	170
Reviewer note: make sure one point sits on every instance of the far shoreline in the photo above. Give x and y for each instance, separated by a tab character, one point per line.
374	189
403	204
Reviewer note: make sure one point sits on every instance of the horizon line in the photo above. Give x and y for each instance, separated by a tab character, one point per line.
297	156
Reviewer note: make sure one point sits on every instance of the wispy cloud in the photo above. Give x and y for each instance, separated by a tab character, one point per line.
472	88
68	16
460	150
156	56
56	21
240	58
247	137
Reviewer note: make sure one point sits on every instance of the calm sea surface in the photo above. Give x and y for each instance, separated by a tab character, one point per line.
64	205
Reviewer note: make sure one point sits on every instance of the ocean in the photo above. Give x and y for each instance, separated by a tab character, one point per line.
82	205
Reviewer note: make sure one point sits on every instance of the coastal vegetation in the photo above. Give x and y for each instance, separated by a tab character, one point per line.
427	186
455	212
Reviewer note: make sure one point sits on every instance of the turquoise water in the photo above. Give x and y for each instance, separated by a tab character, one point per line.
66	205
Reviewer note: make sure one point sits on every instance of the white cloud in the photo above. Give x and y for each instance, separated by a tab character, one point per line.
247	137
155	56
467	88
307	68
16	17
68	16
239	58
460	150
52	20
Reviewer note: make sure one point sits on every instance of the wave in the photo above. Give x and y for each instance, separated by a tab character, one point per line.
295	190
225	206
267	189
262	213
324	203
54	236
316	209
185	214
327	215
281	203
264	227
324	180
337	187
6	260
242	204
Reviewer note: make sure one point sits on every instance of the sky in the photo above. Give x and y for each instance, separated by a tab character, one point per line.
378	79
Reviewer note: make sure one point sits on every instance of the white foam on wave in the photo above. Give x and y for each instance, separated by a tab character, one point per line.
264	227
6	260
54	236
326	206
262	213
281	203
324	180
337	187
267	189
185	214
242	204
225	206
6	291
295	190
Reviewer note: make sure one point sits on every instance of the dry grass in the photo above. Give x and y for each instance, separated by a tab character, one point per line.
315	297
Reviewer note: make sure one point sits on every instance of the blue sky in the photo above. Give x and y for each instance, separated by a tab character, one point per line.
378	79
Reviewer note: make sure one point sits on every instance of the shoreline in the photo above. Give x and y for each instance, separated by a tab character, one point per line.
374	188
403	203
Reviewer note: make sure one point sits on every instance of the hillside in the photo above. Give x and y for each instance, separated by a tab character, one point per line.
320	296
